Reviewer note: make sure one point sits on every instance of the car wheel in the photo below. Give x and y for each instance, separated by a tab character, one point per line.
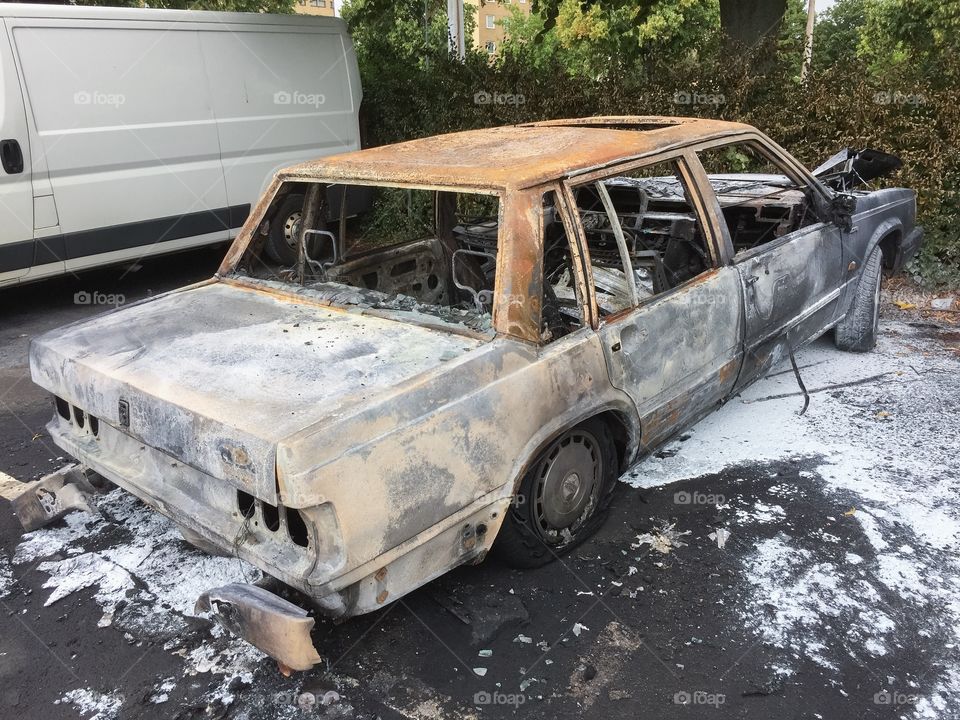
562	499
857	331
281	243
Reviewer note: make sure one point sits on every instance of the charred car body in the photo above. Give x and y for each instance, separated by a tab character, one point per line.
468	338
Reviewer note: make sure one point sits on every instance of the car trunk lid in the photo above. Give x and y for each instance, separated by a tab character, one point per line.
217	374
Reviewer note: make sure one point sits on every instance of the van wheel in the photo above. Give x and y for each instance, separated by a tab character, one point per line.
857	331
281	243
562	499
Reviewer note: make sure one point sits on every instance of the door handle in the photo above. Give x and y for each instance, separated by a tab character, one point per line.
751	279
11	156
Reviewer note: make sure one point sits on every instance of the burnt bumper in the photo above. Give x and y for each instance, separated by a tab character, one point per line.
268	622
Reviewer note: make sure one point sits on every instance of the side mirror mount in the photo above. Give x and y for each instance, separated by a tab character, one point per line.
842	208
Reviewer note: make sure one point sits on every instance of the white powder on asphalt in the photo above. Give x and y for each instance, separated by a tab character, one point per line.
154	573
885	445
96	705
6	577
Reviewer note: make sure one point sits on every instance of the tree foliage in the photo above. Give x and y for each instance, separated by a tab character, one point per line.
600	38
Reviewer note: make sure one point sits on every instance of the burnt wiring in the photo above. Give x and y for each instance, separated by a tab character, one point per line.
803	388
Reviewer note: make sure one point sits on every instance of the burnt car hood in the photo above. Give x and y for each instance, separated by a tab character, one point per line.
217	374
851	168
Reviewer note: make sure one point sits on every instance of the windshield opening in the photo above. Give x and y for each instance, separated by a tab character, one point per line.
431	253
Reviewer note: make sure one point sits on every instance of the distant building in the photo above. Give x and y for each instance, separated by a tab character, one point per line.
314	7
488	34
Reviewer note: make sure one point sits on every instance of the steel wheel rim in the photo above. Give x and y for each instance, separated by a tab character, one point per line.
567	486
291	228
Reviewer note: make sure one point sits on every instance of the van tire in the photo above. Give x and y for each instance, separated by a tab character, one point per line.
281	243
552	488
857	331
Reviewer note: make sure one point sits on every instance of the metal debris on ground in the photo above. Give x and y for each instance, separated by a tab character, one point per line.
662	540
53	496
720	536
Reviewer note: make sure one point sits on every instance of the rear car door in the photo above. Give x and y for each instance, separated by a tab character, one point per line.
787	250
669	315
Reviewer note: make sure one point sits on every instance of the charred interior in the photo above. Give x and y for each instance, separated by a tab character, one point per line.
426	252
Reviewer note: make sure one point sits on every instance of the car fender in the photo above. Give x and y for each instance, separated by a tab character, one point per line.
882	230
617	403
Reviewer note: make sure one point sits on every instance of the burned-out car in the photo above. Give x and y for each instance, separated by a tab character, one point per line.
462	342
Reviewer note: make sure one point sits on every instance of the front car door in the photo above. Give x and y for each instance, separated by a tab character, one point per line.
668	313
787	250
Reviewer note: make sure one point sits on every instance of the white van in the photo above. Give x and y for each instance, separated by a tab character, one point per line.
131	132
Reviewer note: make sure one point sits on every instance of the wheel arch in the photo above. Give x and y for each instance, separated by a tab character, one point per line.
887	236
624	429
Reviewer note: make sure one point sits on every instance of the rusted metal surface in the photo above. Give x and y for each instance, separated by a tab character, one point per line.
518	156
520	270
357	440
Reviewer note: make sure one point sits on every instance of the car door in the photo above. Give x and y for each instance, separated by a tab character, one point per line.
791	265
16	190
673	344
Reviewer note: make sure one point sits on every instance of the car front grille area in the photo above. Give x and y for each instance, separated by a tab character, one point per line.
274	518
77	417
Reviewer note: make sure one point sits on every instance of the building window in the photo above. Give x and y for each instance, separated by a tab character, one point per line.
491	47
491	22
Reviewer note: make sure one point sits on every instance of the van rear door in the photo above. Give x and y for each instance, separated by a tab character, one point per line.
16	190
283	92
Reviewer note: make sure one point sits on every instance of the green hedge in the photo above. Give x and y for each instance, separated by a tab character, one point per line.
914	118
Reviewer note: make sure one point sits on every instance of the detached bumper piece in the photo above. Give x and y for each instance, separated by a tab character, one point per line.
53	496
274	625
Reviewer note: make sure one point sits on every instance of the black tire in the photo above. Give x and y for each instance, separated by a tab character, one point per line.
281	243
562	499
857	331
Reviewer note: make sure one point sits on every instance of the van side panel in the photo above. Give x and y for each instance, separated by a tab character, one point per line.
157	130
125	123
281	96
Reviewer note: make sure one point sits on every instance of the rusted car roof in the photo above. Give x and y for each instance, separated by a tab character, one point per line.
516	155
